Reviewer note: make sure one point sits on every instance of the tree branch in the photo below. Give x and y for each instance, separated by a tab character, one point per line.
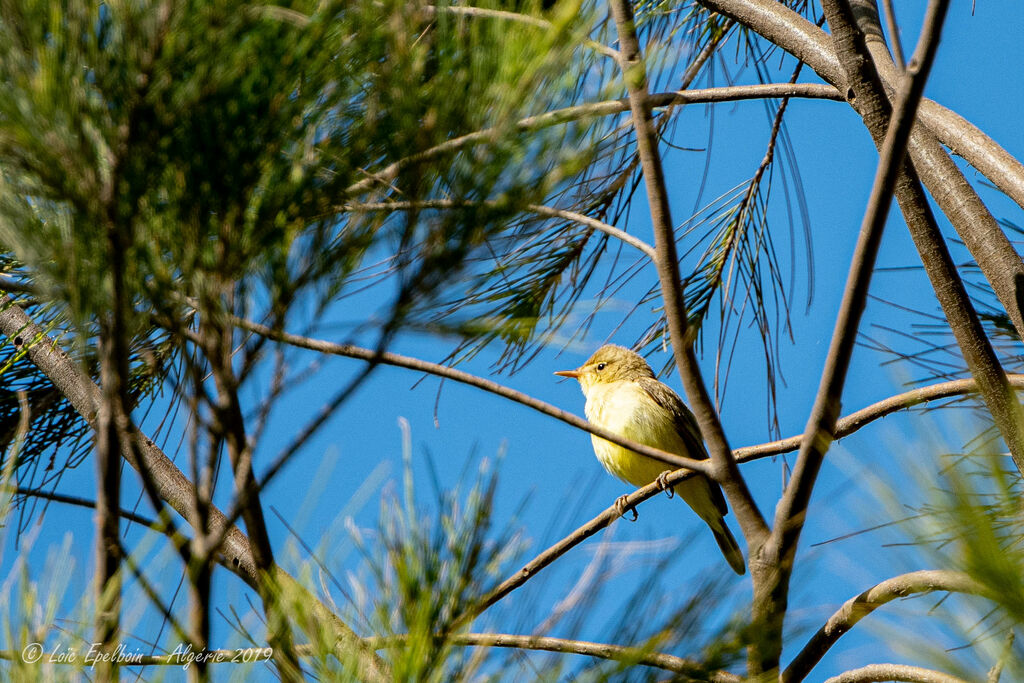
856	608
782	26
621	653
854	421
770	607
397	360
548	211
871	101
727	473
974	223
597	109
874	673
844	427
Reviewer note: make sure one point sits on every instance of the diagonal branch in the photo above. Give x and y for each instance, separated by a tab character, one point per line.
667	262
856	608
538	209
397	360
849	424
974	223
587	530
821	423
871	102
793	33
791	511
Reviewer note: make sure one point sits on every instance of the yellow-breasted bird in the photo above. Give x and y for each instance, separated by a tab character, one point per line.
624	396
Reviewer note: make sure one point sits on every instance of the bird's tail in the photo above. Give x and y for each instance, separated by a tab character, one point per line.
727	542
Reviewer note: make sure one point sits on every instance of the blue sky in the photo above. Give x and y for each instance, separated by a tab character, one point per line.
977	74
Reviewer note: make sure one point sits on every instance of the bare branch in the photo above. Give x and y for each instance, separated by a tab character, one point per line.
667	261
597	109
854	421
974	223
875	673
637	655
894	34
387	358
551	212
545	558
871	101
794	34
770	607
821	423
856	608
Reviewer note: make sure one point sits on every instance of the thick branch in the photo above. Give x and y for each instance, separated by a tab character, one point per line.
974	223
871	102
770	607
856	608
876	673
728	475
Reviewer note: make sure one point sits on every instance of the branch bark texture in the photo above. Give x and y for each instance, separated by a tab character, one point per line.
856	608
728	475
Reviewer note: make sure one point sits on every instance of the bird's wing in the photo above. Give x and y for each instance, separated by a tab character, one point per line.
686	426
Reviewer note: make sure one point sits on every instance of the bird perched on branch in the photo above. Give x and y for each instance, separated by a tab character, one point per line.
624	397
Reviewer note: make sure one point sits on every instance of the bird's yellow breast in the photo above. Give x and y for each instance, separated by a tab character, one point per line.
626	409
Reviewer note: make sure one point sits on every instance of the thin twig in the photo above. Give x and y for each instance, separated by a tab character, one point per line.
596	109
580	647
851	423
549	211
394	359
894	33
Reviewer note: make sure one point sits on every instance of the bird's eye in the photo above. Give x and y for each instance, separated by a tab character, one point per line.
600	366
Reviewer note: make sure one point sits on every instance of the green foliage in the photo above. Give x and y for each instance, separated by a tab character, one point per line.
430	571
213	155
970	522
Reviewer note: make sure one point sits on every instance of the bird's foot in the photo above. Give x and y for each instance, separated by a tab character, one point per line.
622	506
663	484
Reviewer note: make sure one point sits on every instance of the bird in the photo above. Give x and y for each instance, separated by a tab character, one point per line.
624	397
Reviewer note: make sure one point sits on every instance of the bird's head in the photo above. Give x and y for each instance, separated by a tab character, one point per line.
610	363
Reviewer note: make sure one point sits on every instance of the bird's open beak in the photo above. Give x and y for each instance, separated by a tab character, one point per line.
575	374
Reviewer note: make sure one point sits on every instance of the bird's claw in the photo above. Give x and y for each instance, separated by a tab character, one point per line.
622	506
663	484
